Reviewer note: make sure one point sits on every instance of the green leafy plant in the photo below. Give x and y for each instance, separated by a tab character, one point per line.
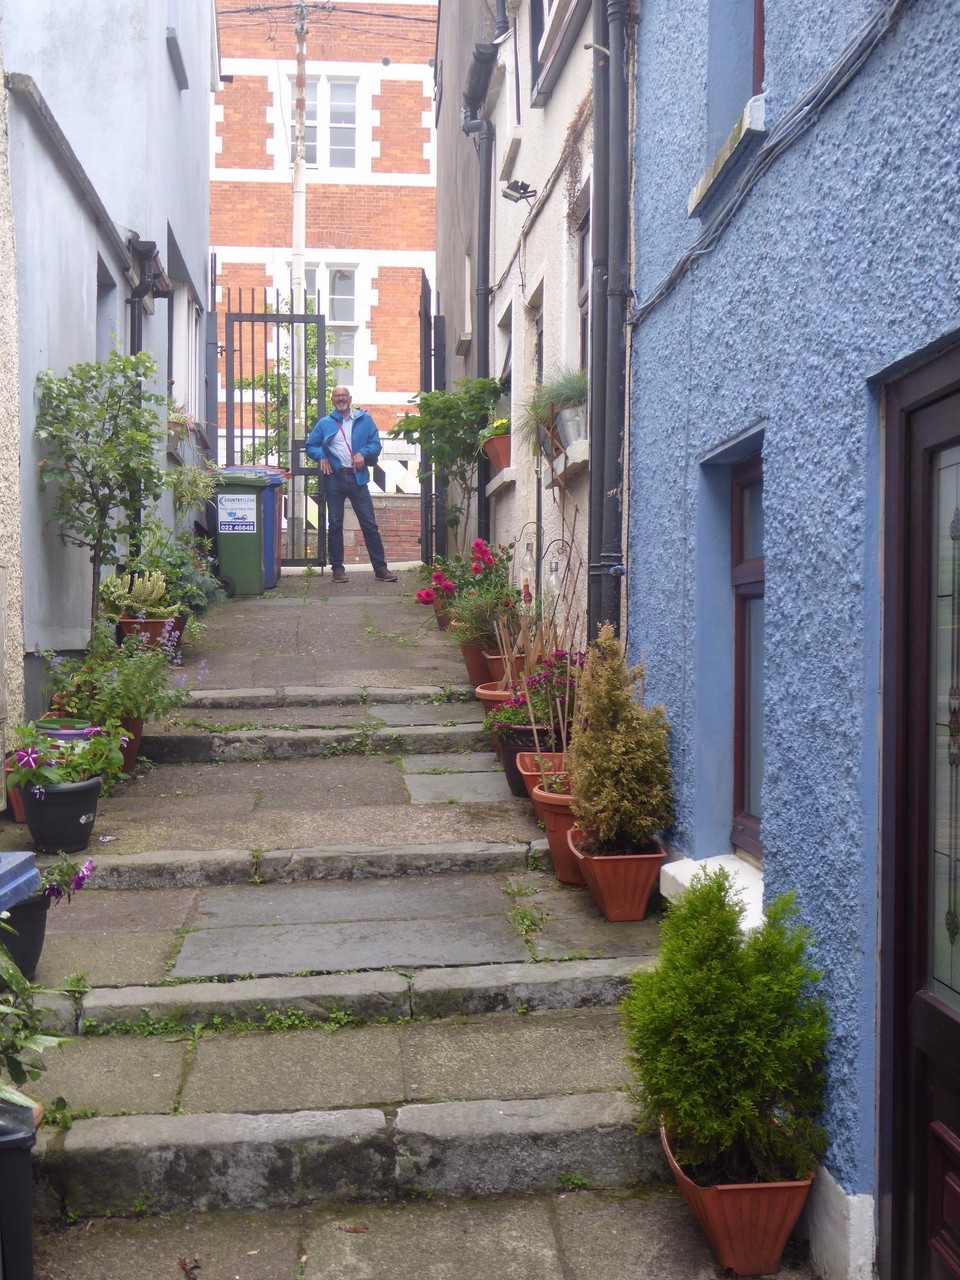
113	682
101	434
21	1036
499	427
40	761
137	595
619	758
565	388
545	697
447	427
726	1037
184	561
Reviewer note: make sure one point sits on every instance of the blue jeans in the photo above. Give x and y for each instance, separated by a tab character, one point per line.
337	489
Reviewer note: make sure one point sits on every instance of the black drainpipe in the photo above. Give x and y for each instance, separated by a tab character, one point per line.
478	82
599	239
618	294
503	22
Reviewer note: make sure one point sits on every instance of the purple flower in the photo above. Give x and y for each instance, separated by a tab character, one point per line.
28	757
53	891
92	731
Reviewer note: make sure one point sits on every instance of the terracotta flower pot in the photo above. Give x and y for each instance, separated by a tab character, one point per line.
531	771
477	670
516	740
620	883
443	617
554	809
491	694
747	1224
497	449
500	667
133	729
14	795
165	632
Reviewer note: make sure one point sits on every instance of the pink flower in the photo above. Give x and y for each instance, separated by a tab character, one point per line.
426	596
478	545
476	569
447	587
437	578
28	757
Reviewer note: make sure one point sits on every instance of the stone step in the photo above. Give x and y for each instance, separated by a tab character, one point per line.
162	1164
198	746
327	696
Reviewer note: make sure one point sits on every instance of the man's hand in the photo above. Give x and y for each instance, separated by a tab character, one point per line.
325	467
359	462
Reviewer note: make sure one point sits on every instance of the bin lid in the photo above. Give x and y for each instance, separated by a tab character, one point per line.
262	477
19	878
16	1126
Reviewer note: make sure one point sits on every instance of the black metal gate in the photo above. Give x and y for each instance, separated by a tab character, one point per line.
275	391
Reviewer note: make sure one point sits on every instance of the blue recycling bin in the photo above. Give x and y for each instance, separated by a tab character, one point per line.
249	513
19	879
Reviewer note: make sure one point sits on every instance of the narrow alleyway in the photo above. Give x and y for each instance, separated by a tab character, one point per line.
324	960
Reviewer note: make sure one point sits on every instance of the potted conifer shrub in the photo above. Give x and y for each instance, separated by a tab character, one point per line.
726	1038
621	782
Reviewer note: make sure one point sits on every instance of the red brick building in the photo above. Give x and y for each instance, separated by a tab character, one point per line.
370	157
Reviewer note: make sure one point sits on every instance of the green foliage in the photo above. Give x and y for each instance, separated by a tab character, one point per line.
564	389
113	682
726	1038
447	426
192	486
184	562
136	595
21	1038
42	761
101	434
619	759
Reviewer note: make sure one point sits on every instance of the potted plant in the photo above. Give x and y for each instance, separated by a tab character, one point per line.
536	712
480	602
124	684
495	443
183	559
447	427
28	919
726	1037
21	1038
61	783
141	605
620	777
555	414
102	435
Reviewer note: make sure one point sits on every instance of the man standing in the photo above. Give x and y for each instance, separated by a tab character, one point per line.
344	443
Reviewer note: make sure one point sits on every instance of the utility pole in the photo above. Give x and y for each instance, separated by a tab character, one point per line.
297	411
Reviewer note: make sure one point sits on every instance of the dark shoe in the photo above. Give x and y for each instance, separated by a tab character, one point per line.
340	576
384	575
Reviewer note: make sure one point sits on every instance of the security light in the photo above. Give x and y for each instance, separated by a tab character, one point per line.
516	191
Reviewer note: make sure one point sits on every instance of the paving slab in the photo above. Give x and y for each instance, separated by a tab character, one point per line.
421	898
317	715
107	959
459	788
584	1235
451	762
308	1070
114	1075
516	1057
126	911
311	948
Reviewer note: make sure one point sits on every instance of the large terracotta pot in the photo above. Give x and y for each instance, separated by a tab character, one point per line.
165	632
554	809
62	817
747	1224
497	449
492	694
443	617
531	771
477	670
515	741
14	795
620	883
133	731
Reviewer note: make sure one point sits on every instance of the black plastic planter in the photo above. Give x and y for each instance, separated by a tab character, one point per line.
29	918
61	818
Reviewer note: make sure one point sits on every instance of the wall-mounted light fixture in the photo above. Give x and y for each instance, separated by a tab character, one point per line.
516	191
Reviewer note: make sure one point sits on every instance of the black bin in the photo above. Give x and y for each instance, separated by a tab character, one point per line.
17	1136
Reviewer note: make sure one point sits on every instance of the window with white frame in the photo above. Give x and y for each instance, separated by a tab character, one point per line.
311	120
342	320
343	124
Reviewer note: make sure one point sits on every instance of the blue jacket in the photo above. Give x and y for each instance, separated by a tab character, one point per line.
364	438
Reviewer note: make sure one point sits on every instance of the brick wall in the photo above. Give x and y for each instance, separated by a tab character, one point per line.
247	35
356	217
392	330
244	128
401	133
398	518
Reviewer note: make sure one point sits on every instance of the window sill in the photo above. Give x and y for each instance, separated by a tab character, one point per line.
570	463
560	38
675	879
502	480
717	179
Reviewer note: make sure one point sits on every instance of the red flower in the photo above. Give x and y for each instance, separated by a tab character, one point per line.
476	569
437	578
426	596
478	545
447	587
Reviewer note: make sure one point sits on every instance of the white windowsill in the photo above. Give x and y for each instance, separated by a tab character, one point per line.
675	879
569	463
746	133
502	480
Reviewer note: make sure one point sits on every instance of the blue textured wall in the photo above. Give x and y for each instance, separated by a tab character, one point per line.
844	260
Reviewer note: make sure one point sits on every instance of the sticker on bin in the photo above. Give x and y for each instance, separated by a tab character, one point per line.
236	513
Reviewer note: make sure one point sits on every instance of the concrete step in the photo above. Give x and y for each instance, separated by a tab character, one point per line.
327	696
560	1235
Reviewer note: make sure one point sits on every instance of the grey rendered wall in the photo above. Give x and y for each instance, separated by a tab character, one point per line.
105	73
844	261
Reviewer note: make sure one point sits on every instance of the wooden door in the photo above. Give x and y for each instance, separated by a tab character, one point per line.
920	1084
